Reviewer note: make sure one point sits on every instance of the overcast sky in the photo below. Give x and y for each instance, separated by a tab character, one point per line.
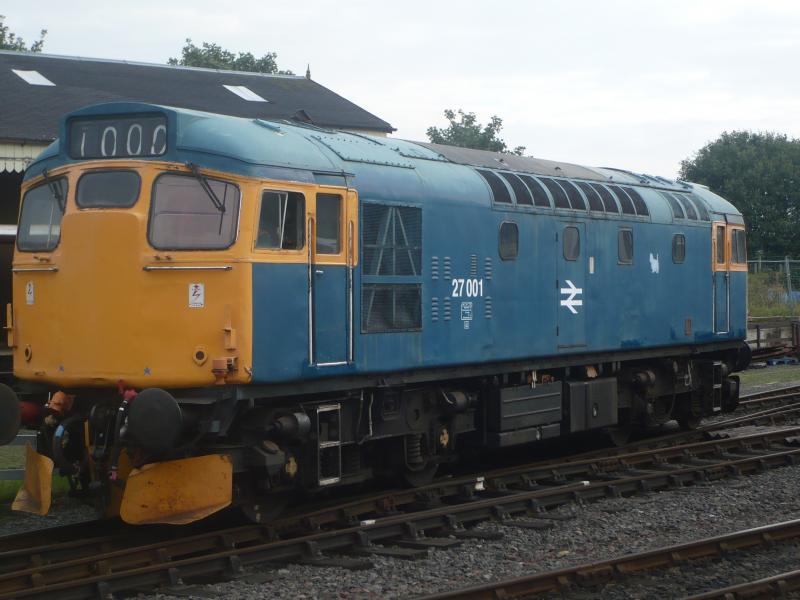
637	85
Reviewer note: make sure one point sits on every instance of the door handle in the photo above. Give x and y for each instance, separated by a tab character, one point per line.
319	271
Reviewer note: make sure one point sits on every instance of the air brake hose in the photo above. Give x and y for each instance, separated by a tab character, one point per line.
116	448
59	441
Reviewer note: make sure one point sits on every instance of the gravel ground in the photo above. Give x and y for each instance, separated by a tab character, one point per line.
600	530
63	511
697	577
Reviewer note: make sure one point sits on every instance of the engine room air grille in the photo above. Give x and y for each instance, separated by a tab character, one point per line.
391	240
701	209
686	206
677	211
391	307
524	190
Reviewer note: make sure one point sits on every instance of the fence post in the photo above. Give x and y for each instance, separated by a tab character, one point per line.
788	280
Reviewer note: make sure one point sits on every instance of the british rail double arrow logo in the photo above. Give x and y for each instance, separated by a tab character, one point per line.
572	301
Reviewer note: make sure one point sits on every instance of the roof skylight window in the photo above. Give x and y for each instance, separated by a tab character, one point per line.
245	93
32	77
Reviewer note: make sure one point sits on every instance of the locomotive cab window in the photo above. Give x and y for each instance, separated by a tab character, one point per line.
40	220
193	213
738	247
625	246
281	225
329	224
678	248
509	241
108	189
572	243
720	244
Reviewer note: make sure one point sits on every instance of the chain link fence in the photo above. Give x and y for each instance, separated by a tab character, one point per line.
774	287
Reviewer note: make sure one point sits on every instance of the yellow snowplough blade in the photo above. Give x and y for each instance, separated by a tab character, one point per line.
178	491
35	494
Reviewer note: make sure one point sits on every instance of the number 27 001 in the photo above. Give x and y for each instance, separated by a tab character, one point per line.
469	288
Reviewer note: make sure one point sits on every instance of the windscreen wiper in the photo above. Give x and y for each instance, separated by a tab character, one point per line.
220	206
55	189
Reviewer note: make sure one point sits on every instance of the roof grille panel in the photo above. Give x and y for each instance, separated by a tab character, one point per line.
500	192
638	202
521	191
540	197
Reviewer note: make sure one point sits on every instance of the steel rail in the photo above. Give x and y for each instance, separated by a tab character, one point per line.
776	586
779	390
598	573
166	562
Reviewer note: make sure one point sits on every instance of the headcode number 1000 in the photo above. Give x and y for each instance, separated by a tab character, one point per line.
469	288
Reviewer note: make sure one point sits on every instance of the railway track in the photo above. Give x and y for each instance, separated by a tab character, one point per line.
401	523
777	586
594	574
106	535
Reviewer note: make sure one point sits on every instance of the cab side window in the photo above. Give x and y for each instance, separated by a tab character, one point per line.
721	244
625	246
281	224
678	248
509	241
329	224
571	243
738	247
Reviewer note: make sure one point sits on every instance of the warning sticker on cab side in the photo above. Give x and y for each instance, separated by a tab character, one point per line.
197	295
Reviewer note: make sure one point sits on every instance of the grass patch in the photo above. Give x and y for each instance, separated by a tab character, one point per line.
13	457
766	296
8	489
770	375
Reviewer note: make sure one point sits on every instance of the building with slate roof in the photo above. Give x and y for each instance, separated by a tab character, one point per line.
36	90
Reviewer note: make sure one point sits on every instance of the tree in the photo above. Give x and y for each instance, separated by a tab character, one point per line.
212	56
468	133
760	174
11	41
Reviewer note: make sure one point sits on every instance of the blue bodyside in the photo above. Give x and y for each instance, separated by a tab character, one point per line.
518	314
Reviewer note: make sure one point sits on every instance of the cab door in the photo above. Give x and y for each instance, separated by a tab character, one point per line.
571	286
331	233
721	278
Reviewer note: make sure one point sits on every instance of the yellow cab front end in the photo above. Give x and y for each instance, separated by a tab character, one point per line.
134	286
131	276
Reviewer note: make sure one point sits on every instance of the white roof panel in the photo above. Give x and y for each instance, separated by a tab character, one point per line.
245	93
32	77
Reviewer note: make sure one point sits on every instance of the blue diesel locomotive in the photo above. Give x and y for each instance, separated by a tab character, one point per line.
225	310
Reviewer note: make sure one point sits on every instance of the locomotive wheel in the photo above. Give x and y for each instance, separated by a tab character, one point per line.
689	422
269	509
419	477
620	435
